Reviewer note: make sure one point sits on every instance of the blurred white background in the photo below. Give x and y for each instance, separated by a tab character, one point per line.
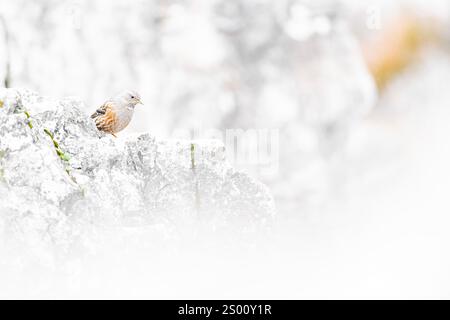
359	91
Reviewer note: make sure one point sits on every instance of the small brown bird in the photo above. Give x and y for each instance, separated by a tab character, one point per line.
115	114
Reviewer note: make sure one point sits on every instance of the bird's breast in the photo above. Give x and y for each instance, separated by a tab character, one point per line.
123	118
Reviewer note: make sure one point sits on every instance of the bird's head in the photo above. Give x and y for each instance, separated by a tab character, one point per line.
130	97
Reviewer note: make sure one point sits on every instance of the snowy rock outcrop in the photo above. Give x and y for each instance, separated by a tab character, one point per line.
60	177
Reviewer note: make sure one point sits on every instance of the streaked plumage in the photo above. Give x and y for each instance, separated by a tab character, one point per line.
115	114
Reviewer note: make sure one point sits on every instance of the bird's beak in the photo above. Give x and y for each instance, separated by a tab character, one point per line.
140	102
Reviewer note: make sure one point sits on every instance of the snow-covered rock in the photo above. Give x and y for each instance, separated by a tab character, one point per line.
60	178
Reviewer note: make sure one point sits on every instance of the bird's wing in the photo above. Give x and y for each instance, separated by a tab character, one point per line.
105	108
105	118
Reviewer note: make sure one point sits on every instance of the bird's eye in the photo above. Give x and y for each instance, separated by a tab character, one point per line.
132	97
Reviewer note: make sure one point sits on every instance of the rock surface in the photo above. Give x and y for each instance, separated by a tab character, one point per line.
61	179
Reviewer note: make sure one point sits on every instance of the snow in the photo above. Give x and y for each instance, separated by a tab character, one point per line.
100	182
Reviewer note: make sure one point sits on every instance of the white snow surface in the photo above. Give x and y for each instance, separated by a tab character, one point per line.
97	182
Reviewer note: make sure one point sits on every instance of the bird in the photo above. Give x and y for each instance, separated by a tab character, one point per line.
115	114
